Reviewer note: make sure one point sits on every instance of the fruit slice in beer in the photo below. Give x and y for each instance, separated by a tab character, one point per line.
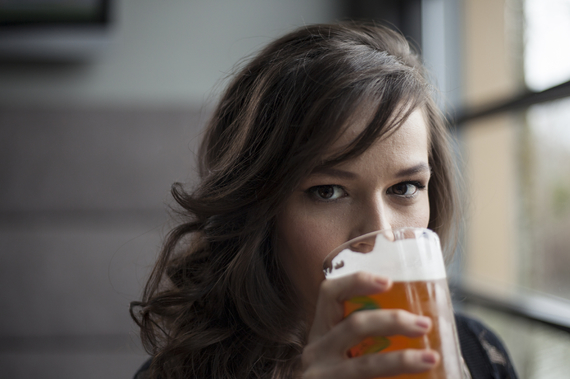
412	258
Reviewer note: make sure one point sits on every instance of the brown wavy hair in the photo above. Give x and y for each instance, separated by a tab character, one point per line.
217	303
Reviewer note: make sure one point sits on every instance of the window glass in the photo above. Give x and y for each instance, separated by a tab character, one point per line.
545	183
547	32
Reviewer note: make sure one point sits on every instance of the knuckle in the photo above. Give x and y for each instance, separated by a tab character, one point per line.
407	358
326	287
362	276
364	365
400	317
355	323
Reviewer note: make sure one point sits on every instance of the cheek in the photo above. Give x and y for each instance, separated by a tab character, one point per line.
302	240
420	216
417	216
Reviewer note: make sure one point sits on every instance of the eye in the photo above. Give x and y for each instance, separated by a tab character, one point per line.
406	189
327	193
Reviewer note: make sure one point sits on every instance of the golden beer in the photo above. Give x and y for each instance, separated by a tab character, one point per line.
419	297
412	258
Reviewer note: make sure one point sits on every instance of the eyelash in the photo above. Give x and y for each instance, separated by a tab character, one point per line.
313	191
419	186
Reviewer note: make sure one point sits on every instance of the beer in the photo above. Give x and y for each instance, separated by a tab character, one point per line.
428	298
412	258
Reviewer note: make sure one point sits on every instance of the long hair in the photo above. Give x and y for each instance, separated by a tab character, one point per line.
217	303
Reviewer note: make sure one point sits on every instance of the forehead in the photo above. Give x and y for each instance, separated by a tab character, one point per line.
412	133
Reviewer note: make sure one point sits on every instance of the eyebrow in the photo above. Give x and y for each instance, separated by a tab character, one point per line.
420	167
331	171
409	171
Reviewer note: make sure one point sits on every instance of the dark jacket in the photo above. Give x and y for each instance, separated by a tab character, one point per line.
483	352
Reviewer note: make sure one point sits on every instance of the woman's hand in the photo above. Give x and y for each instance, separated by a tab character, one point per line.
330	337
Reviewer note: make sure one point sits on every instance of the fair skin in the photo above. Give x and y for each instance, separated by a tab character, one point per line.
385	187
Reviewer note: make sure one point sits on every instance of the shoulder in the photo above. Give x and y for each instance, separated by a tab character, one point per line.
484	353
143	371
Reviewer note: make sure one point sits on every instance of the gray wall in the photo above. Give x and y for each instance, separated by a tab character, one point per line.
82	213
87	156
169	52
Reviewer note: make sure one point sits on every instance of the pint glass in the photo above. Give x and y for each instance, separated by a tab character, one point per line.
412	258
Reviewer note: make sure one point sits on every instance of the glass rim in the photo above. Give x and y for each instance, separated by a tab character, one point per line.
396	233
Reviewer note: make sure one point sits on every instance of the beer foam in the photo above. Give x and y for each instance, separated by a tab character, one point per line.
400	260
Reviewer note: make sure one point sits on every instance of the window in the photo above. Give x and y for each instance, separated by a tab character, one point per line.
515	140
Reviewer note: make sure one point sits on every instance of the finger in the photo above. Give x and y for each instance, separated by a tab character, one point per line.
409	361
332	294
360	325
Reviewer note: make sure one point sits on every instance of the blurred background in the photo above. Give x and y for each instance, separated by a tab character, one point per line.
102	103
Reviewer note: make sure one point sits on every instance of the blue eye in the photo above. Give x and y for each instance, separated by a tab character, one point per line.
405	189
327	193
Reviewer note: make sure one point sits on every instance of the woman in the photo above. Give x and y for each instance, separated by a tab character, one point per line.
328	133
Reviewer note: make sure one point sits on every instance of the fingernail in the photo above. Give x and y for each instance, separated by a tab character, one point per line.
428	357
423	322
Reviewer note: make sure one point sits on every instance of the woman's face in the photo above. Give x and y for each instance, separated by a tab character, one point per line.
385	187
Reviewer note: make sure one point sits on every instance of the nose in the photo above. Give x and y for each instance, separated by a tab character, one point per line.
374	215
